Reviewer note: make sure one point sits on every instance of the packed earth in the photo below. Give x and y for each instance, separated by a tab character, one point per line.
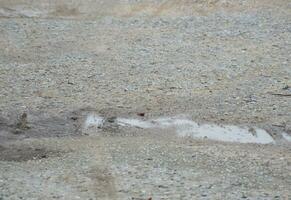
145	99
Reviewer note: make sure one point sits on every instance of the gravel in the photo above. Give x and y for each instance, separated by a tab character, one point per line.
225	62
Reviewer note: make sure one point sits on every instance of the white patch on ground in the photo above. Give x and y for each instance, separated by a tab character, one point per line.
93	120
134	122
227	133
286	137
188	128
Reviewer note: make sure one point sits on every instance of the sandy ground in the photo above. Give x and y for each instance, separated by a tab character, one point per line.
224	62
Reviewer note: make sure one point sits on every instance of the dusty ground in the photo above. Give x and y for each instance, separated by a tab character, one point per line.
216	61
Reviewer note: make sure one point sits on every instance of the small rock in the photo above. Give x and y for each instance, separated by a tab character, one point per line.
141	114
111	119
286	87
162	186
74	118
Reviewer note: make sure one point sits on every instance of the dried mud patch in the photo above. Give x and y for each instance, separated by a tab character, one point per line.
16	126
21	154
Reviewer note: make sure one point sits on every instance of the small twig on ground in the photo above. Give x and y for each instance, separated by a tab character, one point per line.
280	94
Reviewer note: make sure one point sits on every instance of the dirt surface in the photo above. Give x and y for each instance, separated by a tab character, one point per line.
216	61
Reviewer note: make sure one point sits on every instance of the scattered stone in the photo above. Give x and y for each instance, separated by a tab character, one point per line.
162	186
141	114
111	119
286	87
74	118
